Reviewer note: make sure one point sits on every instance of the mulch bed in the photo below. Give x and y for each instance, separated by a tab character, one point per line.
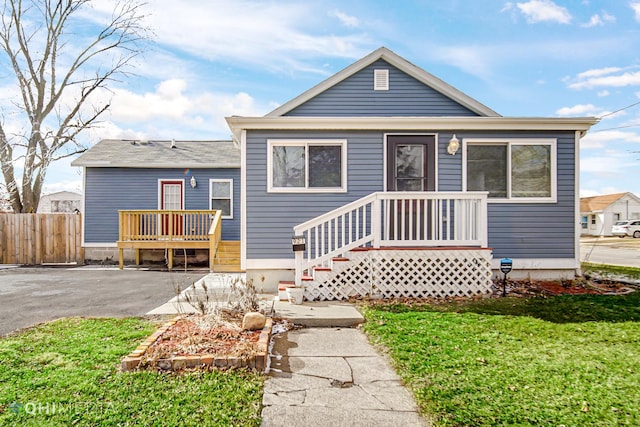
563	287
196	335
201	342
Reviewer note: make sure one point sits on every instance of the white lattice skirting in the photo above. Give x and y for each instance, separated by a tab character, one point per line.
389	273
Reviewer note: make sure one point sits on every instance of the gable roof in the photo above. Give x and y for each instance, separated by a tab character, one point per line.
110	153
398	62
600	203
61	195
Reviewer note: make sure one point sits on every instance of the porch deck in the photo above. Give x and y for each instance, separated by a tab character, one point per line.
392	244
169	229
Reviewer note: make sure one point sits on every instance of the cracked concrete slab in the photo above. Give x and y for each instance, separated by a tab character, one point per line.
335	368
334	377
371	369
324	342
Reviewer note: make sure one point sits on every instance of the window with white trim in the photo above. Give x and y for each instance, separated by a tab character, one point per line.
309	166
221	196
512	170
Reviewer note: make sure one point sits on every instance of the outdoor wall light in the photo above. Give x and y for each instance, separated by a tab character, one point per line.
193	182
453	146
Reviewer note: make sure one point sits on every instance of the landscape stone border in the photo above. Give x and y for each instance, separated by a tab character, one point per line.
258	362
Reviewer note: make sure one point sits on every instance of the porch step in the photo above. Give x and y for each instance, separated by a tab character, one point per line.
282	289
227	259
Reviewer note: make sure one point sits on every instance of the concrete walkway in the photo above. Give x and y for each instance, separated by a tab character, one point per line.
333	377
325	375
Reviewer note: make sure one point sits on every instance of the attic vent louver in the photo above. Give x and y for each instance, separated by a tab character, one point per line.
380	79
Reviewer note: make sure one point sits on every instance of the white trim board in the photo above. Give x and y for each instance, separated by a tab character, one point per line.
100	245
243	199
269	264
539	263
518	264
391	124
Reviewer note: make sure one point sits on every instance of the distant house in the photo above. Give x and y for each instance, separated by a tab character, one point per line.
60	202
599	213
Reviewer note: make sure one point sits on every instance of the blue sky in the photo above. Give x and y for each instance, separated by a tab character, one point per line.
555	58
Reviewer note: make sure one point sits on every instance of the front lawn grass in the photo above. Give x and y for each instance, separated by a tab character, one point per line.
65	373
608	270
568	360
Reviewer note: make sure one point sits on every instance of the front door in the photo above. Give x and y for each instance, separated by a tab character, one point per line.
412	163
171	196
411	167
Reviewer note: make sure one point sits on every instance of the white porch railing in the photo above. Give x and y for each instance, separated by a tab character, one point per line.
420	219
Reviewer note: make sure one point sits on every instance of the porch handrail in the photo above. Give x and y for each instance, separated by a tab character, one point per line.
165	225
394	219
215	236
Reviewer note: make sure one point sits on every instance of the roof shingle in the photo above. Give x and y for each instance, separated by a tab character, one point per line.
160	154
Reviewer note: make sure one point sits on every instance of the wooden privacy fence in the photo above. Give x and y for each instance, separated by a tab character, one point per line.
41	238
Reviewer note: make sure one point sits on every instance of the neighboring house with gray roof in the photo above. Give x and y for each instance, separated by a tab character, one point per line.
148	175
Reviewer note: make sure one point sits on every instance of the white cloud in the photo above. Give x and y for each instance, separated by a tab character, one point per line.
580	109
596	72
277	36
171	109
600	166
607	77
274	35
597	20
636	9
588	110
346	20
544	10
603	93
608	137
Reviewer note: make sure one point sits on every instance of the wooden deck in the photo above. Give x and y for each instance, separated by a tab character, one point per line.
169	229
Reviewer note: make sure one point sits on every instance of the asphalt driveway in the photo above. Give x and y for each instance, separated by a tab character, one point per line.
611	250
37	294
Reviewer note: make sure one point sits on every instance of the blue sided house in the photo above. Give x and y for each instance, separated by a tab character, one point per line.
381	180
160	199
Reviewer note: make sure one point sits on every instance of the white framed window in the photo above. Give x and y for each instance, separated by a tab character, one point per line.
511	170
221	196
318	166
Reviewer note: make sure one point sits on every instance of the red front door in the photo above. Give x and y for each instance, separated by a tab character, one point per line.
171	198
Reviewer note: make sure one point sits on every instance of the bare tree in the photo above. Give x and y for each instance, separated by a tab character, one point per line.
5	206
60	61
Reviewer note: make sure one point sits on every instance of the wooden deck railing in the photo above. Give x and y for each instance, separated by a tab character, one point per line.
169	229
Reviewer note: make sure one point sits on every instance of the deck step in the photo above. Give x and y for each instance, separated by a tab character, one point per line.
227	259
